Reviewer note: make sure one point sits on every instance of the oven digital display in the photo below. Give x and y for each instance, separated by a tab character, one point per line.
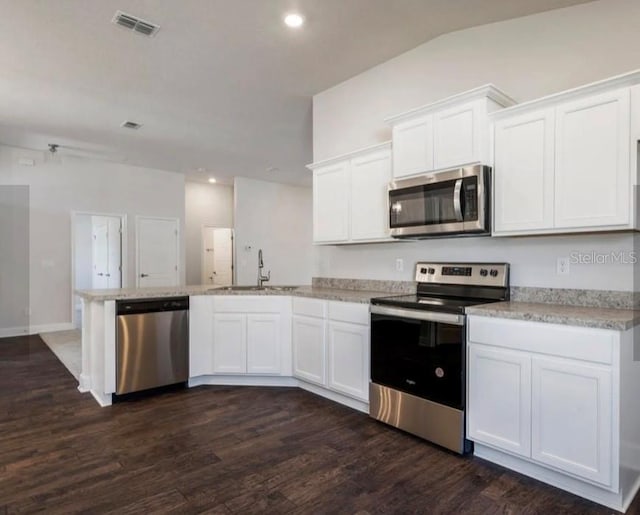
457	270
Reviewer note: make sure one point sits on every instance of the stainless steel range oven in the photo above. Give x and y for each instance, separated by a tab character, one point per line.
418	349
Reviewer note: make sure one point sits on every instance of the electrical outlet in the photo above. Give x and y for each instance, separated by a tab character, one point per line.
399	265
562	266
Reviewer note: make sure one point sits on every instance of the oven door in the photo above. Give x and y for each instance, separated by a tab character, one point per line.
449	202
419	352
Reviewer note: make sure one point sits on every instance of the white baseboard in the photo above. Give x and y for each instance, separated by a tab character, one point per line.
334	396
35	329
104	399
84	384
630	455
50	328
242	381
596	494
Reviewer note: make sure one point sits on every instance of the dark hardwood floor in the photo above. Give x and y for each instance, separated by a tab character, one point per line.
229	450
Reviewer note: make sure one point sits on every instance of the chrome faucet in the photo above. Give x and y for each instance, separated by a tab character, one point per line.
262	278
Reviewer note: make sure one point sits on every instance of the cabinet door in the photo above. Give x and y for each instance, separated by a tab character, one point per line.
413	146
263	344
523	172
499	411
349	359
457	134
229	343
592	178
309	351
331	203
370	176
572	417
200	335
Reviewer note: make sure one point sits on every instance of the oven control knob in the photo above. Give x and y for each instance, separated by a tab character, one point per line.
423	270
483	272
432	271
494	273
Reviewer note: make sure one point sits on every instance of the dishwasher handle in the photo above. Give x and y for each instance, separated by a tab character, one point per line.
134	307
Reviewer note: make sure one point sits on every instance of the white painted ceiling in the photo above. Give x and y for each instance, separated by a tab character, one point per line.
223	86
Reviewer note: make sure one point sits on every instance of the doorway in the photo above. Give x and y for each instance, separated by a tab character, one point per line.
99	247
217	256
157	252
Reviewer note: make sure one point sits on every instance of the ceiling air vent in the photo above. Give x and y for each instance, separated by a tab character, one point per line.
135	24
131	125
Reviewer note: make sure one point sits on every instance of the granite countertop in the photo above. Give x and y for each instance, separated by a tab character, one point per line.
345	295
602	318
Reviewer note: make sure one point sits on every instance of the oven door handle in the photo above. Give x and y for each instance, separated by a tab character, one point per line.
457	201
415	314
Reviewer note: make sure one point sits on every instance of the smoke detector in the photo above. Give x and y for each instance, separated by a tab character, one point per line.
128	21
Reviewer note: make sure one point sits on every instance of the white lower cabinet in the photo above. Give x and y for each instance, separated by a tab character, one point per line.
309	348
348	358
571	406
234	335
500	398
229	343
552	401
263	344
331	345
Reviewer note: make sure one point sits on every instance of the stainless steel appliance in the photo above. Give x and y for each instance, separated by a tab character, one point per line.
452	202
152	343
418	349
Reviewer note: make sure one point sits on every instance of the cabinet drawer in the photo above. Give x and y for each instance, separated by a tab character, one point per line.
353	312
310	307
586	344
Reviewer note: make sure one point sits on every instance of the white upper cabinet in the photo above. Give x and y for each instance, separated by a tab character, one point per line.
460	135
567	163
331	202
370	177
523	171
413	146
350	197
448	133
592	161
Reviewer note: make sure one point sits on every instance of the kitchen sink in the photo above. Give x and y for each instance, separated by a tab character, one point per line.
254	288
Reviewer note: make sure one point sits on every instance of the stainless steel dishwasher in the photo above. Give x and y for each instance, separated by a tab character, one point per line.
152	343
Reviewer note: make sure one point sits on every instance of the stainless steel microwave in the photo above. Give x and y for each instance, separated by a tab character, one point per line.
452	202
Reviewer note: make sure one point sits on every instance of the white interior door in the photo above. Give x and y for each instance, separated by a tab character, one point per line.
106	252
157	252
217	261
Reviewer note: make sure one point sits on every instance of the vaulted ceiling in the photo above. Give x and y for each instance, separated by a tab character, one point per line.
224	86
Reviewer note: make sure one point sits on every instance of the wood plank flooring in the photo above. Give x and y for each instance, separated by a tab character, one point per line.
229	450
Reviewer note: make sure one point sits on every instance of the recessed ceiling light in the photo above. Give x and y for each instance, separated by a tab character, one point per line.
212	180
294	20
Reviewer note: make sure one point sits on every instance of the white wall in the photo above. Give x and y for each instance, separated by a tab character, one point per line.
82	185
83	259
205	204
277	219
527	57
14	258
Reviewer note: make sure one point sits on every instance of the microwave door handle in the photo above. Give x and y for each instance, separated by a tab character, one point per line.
457	202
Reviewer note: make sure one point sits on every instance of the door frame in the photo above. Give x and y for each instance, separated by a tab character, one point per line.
178	246
233	250
124	253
